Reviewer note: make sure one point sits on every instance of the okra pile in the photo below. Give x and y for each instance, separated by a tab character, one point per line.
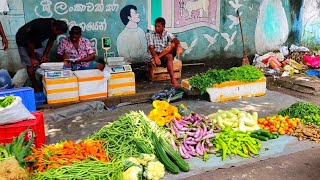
230	142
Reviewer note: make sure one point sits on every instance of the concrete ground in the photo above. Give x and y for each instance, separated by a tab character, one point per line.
83	119
300	165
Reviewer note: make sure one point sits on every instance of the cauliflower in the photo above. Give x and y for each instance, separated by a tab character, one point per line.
132	173
155	170
133	160
145	158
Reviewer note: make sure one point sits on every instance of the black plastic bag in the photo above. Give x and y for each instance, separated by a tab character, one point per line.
169	94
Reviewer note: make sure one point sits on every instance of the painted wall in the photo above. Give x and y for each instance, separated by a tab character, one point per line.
311	23
208	29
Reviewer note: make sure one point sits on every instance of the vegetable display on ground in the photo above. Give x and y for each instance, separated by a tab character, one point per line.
217	76
122	134
307	112
191	135
236	119
230	142
280	124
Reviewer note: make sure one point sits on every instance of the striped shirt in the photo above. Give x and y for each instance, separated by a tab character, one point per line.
159	43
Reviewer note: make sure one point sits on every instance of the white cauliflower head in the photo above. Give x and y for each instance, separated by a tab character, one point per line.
155	170
132	173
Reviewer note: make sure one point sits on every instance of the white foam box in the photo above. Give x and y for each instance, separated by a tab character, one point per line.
232	90
121	84
61	90
92	84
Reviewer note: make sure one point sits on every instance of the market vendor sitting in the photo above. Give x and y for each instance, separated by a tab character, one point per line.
76	52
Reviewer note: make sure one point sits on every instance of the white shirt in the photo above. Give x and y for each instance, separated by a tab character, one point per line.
131	43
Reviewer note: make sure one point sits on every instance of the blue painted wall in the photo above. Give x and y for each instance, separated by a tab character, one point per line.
211	34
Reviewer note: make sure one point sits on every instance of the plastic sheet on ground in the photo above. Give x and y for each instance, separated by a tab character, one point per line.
273	148
92	107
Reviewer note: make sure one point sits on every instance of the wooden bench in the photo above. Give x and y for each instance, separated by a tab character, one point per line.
160	73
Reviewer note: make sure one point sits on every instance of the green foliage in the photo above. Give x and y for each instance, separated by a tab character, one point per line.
217	76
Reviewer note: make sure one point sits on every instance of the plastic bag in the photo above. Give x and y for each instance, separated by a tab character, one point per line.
312	61
168	94
5	80
15	112
298	48
107	72
20	78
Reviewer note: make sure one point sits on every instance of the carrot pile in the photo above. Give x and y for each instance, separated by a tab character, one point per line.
65	153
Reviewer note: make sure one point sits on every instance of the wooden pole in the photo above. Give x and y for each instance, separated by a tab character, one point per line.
245	60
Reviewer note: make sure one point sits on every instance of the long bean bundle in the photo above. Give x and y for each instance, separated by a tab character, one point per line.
88	170
121	135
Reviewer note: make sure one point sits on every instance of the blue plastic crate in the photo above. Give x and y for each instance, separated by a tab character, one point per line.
40	98
26	94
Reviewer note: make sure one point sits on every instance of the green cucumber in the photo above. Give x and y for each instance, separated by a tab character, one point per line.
163	157
177	159
262	138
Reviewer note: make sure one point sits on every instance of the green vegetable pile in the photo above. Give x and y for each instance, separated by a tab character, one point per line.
83	170
307	112
121	135
217	76
7	101
229	142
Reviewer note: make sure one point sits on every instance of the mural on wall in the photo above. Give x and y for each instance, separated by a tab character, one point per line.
311	22
183	15
131	42
63	9
272	26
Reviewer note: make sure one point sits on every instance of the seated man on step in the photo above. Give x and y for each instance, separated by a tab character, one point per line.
163	47
76	52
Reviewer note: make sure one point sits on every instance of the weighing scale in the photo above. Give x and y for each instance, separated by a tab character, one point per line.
117	64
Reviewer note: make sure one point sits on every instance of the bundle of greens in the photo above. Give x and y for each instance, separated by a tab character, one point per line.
7	101
217	76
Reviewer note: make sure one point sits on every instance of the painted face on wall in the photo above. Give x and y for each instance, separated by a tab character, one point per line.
134	16
159	28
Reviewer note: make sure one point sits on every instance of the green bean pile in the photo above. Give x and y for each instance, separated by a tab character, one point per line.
120	135
83	170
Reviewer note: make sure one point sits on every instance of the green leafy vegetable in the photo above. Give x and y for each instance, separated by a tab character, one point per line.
7	101
306	111
217	76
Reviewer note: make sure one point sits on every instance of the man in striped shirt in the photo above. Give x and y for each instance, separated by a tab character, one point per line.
163	47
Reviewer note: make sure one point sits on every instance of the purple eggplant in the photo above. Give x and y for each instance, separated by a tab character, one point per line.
198	149
177	124
185	152
191	133
204	129
183	155
197	134
191	142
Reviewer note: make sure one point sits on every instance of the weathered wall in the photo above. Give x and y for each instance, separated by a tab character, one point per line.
311	23
207	29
